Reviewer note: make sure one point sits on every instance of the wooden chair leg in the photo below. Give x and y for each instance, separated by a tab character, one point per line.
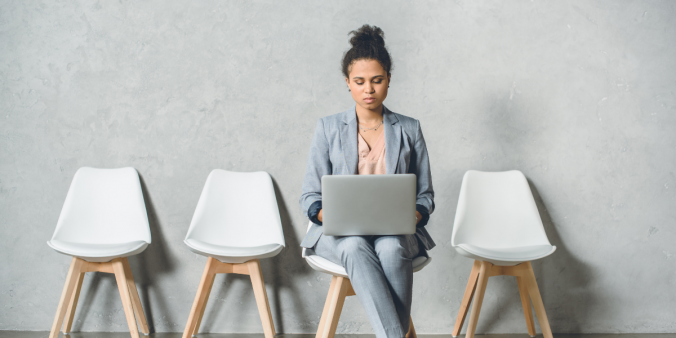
66	295
261	297
325	312
201	297
136	300
204	305
70	313
534	292
467	298
127	303
484	273
335	299
525	302
411	329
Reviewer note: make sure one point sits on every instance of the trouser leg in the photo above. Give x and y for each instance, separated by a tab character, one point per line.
358	256
396	255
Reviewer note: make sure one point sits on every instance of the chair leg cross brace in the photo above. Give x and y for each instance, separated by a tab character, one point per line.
340	289
528	290
213	267
125	283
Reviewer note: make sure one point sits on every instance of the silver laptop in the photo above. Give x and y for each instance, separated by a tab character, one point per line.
368	204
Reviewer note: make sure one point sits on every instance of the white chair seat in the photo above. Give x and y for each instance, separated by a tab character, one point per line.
102	222
505	256
236	223
322	264
98	252
233	254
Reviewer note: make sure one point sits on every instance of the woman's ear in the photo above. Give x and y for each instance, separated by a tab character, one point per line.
389	77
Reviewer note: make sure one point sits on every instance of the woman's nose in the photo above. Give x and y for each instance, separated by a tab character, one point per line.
368	88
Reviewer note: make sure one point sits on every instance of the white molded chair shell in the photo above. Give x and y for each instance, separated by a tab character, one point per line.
322	264
104	216
237	218
497	220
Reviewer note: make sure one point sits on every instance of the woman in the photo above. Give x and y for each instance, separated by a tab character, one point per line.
370	139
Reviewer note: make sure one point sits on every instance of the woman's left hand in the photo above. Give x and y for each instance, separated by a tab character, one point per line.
418	217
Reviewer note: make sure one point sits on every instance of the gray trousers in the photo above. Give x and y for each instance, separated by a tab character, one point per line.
381	272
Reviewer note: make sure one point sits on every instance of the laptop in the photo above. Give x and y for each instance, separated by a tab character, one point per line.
368	204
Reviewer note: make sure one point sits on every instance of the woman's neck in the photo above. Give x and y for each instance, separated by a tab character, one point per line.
369	116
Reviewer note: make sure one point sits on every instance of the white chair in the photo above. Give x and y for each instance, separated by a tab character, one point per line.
103	221
341	288
498	225
235	224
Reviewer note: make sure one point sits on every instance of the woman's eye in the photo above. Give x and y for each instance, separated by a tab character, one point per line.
378	81
360	83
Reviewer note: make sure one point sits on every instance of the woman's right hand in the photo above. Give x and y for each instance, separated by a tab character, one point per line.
319	215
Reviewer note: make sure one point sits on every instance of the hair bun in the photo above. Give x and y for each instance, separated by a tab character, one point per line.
367	35
368	43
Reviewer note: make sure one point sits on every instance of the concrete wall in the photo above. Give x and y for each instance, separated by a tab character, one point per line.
579	95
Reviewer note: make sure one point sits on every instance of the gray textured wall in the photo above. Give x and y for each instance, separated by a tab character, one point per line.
579	95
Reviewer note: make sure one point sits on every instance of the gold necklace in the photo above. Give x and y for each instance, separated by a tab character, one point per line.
367	129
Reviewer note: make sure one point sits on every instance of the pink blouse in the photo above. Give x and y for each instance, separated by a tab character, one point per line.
371	161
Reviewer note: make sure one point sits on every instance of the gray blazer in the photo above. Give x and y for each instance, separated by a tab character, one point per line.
334	152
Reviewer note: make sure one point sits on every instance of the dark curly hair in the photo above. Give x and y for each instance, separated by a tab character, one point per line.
367	43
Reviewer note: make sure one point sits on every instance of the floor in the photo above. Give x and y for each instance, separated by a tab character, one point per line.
44	334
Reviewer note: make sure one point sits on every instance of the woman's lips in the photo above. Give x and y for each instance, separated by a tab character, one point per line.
369	100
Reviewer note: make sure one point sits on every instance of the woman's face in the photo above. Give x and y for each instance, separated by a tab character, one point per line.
368	83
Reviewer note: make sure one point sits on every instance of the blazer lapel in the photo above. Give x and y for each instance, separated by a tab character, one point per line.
392	140
348	140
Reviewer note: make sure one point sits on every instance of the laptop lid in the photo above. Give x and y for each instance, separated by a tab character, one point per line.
368	204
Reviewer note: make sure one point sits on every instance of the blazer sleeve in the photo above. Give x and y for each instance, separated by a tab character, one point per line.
420	165
318	165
